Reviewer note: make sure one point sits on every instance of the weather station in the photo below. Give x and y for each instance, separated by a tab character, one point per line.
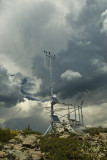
73	115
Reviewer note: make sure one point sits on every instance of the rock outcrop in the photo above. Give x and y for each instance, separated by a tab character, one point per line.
22	148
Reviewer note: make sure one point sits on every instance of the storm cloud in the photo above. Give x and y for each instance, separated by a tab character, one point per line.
10	94
75	31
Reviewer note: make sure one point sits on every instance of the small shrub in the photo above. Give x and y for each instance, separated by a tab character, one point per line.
26	132
1	146
6	135
14	132
10	157
28	128
95	130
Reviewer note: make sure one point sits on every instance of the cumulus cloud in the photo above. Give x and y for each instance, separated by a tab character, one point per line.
91	117
70	75
24	113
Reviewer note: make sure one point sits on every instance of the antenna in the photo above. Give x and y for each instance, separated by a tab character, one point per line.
51	78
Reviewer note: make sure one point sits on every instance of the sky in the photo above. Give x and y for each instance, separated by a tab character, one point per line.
76	33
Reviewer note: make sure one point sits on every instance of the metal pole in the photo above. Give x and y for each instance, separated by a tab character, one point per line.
75	112
83	99
51	80
47	130
68	114
52	111
79	113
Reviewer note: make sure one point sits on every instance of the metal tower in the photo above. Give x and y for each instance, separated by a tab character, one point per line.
54	100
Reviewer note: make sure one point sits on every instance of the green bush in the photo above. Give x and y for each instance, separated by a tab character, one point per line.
95	130
6	135
26	132
67	148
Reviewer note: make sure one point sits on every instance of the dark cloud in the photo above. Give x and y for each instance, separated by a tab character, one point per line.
76	58
36	123
32	26
88	44
10	94
87	26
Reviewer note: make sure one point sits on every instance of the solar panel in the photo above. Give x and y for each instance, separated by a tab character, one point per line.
55	100
55	118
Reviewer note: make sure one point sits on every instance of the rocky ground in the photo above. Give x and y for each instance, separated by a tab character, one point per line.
27	147
98	145
22	148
